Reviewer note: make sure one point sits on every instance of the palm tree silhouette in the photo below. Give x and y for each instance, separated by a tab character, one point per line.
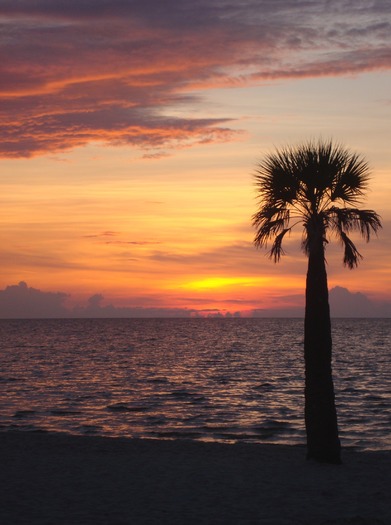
302	185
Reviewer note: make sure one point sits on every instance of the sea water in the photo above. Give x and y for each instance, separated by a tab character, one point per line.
226	380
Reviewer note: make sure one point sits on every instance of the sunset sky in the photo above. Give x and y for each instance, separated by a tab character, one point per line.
131	130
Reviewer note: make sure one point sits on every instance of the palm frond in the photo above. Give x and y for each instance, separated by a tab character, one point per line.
268	230
276	250
352	219
351	254
275	179
269	221
351	181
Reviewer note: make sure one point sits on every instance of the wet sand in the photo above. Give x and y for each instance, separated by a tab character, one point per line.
60	479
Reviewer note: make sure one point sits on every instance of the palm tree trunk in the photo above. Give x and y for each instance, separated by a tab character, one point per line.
320	414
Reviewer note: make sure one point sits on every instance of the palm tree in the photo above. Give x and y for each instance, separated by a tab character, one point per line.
303	185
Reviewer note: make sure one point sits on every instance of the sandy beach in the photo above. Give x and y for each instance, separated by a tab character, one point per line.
74	480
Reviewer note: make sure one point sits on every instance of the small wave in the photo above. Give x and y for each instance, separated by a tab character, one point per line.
159	380
373	397
265	387
88	429
156	420
191	419
240	436
272	428
10	379
236	345
176	434
276	423
20	414
24	428
113	348
181	393
222	380
198	399
122	407
189	397
218	429
61	412
350	390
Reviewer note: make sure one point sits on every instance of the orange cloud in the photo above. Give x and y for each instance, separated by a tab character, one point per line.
111	71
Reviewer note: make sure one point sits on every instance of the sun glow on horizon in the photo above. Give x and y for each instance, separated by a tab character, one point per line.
223	282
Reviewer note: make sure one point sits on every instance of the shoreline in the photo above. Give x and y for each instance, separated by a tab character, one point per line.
49	478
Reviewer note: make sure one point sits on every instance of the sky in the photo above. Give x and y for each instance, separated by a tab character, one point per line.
130	134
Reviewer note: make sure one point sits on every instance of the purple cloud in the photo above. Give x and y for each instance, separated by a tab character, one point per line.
108	70
21	301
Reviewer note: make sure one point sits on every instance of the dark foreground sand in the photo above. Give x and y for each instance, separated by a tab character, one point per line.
58	479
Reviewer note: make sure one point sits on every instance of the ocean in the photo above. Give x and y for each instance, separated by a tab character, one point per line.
226	380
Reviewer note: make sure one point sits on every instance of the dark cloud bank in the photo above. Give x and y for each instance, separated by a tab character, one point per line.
22	302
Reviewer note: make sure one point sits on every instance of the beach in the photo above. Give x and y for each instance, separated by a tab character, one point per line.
54	478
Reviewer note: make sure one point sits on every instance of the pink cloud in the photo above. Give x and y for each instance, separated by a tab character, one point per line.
108	71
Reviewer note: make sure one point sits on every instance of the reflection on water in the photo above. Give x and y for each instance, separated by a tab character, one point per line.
209	379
